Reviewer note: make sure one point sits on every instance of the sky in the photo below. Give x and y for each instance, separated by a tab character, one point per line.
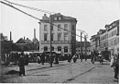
91	16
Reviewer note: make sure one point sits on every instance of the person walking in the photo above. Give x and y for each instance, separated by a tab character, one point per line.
56	59
43	58
93	56
74	58
21	64
51	59
38	58
81	56
115	64
69	58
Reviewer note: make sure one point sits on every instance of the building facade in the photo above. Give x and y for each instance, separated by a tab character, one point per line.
85	48
93	42
113	36
106	38
63	34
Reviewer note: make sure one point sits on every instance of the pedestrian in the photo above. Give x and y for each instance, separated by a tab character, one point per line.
85	57
21	64
56	59
69	58
38	57
43	58
93	57
81	56
115	64
74	58
51	59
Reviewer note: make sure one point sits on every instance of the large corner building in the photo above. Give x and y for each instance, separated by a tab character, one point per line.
63	34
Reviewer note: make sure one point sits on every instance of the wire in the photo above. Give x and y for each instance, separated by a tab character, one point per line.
37	10
32	8
20	10
36	17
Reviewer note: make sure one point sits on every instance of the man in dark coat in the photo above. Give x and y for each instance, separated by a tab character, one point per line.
43	58
81	56
21	64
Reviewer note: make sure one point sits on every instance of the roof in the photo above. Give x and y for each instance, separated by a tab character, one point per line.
63	18
113	25
21	40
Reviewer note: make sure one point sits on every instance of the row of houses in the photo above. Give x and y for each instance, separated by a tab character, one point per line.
106	38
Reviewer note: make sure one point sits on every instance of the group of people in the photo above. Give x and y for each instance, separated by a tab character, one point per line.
112	57
76	56
45	57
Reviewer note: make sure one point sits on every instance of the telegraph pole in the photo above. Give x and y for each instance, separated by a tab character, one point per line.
81	41
51	40
85	45
39	36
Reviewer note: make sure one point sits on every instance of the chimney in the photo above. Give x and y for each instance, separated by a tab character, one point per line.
34	33
24	37
107	27
45	17
10	36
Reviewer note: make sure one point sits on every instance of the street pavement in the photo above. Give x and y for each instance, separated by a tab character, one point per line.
64	72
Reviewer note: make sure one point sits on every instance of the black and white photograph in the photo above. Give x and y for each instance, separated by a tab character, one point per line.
59	41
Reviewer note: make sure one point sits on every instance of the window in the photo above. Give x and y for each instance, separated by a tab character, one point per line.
59	26
73	27
45	36
59	36
45	27
59	18
51	28
59	48
65	26
45	48
55	18
52	48
65	36
65	49
52	37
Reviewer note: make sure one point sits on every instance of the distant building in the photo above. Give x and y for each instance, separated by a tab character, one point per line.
113	36
2	37
108	38
62	40
24	44
83	44
93	42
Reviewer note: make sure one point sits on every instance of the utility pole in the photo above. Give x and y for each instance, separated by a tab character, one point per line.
81	41
85	46
39	36
51	40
